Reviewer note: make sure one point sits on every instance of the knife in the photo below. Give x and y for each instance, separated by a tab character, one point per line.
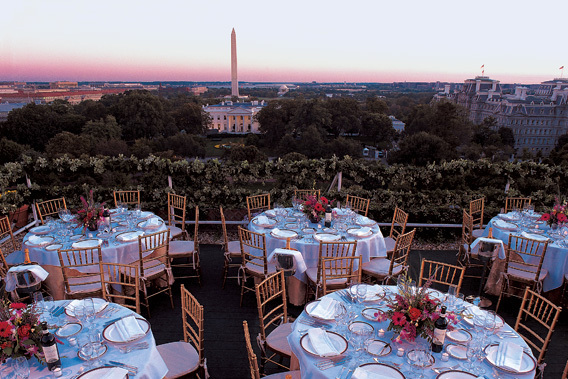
130	372
129	367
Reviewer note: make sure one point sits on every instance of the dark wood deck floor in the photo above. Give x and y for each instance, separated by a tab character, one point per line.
224	340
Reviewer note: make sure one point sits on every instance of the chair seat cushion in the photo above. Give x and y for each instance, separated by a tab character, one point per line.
180	357
258	270
390	242
477	233
380	267
151	269
312	274
174	231
282	375
92	284
234	248
516	271
277	340
181	248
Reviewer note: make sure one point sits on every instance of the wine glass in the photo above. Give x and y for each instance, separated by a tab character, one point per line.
361	292
48	307
340	312
353	292
86	349
80	314
96	340
21	367
89	306
38	300
451	296
471	355
490	323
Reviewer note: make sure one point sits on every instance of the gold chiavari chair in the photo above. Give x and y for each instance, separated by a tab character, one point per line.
537	318
187	357
398	226
328	250
188	251
476	208
273	320
176	215
253	363
465	256
512	203
523	265
50	207
81	272
384	269
441	273
154	265
126	197
5	232
231	251
257	204
254	261
345	270
358	204
127	278
302	194
3	265
565	372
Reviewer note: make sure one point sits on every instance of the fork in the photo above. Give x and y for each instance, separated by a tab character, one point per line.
440	370
329	363
139	346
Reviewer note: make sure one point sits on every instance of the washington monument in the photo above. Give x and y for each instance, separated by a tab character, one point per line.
234	81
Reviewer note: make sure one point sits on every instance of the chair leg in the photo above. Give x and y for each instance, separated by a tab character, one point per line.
242	291
500	296
225	271
147	303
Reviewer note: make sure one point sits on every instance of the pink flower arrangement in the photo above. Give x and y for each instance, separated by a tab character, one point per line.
413	312
558	213
314	208
20	331
91	213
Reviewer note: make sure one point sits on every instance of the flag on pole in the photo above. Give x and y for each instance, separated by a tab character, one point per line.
561	68
484	66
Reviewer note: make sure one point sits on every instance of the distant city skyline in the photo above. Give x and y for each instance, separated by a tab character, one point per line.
324	41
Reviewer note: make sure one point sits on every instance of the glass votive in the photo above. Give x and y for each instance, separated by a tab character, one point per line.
72	341
445	357
381	333
400	352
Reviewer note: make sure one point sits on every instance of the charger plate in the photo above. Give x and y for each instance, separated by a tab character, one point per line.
459	335
99	372
111	334
527	365
310	309
337	340
379	348
326	237
381	370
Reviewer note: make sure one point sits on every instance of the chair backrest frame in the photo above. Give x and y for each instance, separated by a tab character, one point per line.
267	292
441	273
338	268
398	224
126	197
333	250
176	210
5	230
253	362
192	319
258	203
50	207
358	204
529	248
467	229
512	203
476	209
80	264
303	194
257	241
401	252
125	276
153	250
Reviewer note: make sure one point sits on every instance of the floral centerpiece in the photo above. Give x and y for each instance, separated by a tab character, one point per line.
20	331
314	208
413	312
558	213
91	214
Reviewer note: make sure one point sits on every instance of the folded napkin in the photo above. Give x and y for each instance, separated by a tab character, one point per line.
325	308
374	292
504	225
327	237
145	214
114	373
38	240
365	373
128	328
364	231
11	277
99	304
509	355
321	343
152	223
262	220
130	236
341	211
363	220
534	236
270	213
508	216
283	233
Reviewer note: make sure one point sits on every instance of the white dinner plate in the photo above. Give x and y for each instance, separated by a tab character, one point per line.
86	244
504	225
369	313
75	237
99	372
356	232
145	214
459	335
144	224
338	341
457	350
291	225
379	348
129	236
326	237
455	374
471	312
283	234
100	305
365	221
380	369
527	365
69	329
374	293
39	241
42	229
271	223
111	334
270	213
54	247
310	308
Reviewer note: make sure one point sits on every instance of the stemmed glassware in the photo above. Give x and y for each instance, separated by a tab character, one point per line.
340	317
21	367
86	349
360	332
361	292
89	308
451	297
472	349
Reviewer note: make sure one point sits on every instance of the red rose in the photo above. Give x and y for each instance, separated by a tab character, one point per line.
545	217
18	305
6	344
414	313
24	331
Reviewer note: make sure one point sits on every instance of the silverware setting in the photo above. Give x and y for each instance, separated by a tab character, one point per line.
138	346
440	370
131	372
331	362
394	364
109	311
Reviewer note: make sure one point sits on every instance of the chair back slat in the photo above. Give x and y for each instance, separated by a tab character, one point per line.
401	251
176	210
127	278
6	230
126	197
512	203
192	318
257	204
441	273
398	224
358	204
536	321
271	302
50	207
153	252
334	250
476	208
81	271
346	270
532	253
253	362
253	249
303	194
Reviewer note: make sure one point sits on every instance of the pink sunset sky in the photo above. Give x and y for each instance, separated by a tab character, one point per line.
325	41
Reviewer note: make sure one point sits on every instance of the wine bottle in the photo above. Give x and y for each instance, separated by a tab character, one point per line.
49	347
439	336
106	218
327	216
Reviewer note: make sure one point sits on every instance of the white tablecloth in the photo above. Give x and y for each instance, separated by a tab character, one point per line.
555	260
308	362
148	361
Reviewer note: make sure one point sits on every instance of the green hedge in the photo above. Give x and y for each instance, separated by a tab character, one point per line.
432	194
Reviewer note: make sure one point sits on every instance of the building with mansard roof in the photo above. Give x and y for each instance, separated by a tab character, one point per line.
537	117
238	118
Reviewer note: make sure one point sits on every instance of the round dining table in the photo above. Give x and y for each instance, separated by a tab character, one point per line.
392	359
141	361
280	225
119	244
556	257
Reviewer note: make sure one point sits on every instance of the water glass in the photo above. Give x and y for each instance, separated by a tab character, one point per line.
490	323
38	301
86	350
471	354
47	308
20	367
361	292
89	306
